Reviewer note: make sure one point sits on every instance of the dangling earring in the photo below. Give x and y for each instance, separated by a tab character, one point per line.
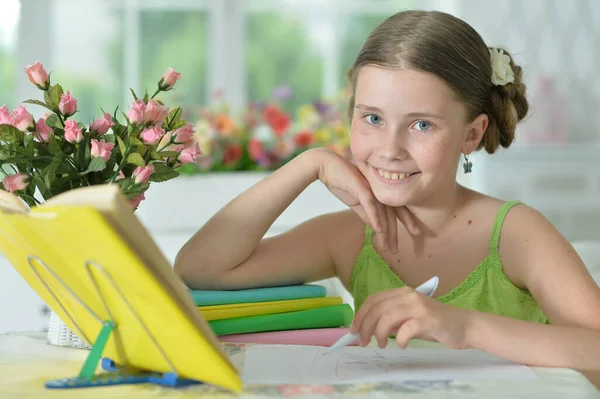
467	165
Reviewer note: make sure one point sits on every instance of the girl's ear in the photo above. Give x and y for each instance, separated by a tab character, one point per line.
475	131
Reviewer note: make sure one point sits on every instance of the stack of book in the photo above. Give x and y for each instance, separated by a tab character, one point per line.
300	314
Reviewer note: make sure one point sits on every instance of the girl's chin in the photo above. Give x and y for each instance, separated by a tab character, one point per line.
393	202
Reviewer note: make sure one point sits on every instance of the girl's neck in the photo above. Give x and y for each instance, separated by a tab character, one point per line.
436	212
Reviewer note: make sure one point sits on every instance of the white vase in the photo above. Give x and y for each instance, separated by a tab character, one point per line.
59	334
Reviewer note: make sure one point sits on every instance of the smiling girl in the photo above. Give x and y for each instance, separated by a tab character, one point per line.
427	92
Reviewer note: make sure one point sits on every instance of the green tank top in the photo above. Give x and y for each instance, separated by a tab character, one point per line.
486	289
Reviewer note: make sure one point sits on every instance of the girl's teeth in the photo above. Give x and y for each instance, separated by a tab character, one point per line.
393	175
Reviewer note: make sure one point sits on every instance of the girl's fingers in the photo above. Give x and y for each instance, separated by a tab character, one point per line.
408	330
384	236
407	219
392	229
369	204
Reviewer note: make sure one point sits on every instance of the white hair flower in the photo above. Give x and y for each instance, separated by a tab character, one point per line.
502	73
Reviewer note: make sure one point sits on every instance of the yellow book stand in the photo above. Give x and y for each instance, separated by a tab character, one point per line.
100	271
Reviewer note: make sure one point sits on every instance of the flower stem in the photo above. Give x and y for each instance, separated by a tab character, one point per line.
155	93
121	164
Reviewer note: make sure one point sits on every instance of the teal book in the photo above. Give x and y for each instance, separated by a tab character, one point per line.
326	317
269	294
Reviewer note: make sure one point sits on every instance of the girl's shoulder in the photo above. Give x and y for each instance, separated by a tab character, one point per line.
346	241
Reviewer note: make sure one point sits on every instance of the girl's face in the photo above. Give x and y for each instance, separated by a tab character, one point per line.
408	131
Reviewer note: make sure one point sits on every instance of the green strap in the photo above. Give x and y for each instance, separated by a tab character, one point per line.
91	363
495	240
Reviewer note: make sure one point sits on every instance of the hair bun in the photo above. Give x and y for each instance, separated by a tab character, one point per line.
508	105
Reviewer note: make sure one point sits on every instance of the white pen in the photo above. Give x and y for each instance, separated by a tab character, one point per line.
427	288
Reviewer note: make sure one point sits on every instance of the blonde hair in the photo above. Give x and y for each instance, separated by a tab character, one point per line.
451	49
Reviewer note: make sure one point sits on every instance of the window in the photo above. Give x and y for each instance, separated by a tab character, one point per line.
86	55
272	60
175	39
9	18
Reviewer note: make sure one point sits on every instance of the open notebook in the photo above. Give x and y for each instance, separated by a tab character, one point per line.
90	239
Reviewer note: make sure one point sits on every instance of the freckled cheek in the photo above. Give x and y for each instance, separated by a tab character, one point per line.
435	157
360	145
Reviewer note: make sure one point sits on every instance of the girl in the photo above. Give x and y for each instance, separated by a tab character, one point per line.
426	92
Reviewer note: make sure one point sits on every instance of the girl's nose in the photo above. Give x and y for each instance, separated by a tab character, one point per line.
394	147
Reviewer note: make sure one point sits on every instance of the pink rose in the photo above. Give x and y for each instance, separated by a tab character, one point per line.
5	116
102	125
136	112
168	79
155	113
43	131
38	76
68	104
101	149
73	133
135	202
183	134
152	135
143	174
15	182
189	154
22	119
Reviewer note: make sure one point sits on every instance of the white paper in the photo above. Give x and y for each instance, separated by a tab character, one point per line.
291	364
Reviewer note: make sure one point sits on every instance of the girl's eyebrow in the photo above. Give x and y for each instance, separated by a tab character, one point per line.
368	108
424	115
411	115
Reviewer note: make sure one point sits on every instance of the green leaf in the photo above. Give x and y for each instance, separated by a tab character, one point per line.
155	155
135	141
40	103
96	165
122	147
173	118
136	159
179	124
146	96
54	146
51	170
53	121
142	150
163	172
109	138
52	96
65	168
28	145
168	154
83	154
135	190
11	134
134	95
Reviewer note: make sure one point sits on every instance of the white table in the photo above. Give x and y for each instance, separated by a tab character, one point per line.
27	361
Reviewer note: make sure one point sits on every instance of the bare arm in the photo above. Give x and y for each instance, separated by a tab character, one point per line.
232	236
549	267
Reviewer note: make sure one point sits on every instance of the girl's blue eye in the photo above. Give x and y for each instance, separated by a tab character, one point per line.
423	126
373	119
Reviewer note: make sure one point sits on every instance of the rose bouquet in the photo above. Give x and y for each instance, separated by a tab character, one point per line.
43	158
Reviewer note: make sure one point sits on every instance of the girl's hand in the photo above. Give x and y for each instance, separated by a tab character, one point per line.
409	314
347	183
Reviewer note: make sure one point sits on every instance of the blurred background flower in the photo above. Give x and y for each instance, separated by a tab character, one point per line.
265	136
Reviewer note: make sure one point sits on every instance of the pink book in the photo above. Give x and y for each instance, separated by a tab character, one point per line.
314	337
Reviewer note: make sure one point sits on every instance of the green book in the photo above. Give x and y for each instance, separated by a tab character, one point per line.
268	294
329	316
